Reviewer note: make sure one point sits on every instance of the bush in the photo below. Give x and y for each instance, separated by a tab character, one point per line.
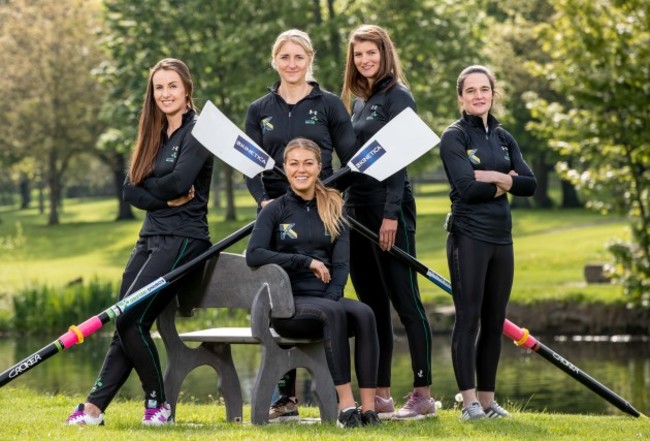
45	309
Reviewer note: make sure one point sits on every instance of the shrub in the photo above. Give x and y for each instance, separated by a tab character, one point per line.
45	309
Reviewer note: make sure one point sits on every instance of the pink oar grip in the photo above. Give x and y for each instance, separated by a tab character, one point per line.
518	335
76	333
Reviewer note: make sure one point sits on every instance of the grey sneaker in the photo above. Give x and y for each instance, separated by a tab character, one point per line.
283	410
496	411
384	407
473	411
417	407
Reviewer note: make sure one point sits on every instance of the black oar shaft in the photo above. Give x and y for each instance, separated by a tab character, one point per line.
588	381
30	362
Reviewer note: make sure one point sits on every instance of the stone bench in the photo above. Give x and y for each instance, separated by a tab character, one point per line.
225	281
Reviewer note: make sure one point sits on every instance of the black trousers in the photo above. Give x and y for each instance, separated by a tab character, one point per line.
380	280
335	322
481	281
132	346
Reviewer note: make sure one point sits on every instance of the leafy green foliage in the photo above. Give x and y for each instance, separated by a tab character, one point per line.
599	62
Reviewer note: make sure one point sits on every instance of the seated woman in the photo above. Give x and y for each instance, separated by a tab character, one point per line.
305	233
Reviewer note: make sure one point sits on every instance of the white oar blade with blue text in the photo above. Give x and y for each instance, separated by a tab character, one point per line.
400	142
226	141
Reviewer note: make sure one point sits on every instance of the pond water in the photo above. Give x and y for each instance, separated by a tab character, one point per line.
525	380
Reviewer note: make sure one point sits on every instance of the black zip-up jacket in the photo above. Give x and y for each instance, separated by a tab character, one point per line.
289	232
368	117
272	123
466	146
181	162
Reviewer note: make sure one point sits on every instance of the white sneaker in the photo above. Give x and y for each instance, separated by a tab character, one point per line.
79	417
157	416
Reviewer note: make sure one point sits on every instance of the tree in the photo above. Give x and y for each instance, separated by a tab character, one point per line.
600	61
513	46
48	51
226	45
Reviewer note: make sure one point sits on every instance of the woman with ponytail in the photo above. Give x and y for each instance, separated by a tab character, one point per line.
304	232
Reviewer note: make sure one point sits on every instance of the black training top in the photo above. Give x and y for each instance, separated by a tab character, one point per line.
466	146
180	163
289	232
272	123
368	117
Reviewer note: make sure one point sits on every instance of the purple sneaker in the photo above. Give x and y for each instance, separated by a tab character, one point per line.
159	415
384	407
417	407
80	418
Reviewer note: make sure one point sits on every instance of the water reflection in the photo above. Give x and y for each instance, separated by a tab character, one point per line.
525	379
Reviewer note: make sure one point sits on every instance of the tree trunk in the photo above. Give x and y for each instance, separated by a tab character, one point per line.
216	185
25	192
541	197
230	193
41	197
124	211
570	196
54	186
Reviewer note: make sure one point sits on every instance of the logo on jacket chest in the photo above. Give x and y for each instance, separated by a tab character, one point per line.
373	113
506	152
173	154
312	118
473	157
286	230
266	124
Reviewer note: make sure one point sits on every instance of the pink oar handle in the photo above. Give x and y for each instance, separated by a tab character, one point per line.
76	334
519	336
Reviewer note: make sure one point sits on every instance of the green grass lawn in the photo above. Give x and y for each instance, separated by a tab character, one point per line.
551	246
28	415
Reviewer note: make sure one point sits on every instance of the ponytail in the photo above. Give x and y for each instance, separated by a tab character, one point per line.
330	209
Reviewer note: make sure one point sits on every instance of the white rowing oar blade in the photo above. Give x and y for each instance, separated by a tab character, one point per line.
226	141
400	142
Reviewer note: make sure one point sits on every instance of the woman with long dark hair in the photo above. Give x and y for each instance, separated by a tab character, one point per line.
169	178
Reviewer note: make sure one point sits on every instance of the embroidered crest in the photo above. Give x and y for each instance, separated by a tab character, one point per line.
313	117
286	230
471	154
266	124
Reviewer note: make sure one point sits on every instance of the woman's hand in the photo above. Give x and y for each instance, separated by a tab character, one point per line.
265	202
387	234
503	181
320	270
183	199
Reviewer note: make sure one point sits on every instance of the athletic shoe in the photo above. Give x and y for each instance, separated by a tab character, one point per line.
384	407
157	415
349	418
473	411
496	411
283	410
370	418
417	407
79	417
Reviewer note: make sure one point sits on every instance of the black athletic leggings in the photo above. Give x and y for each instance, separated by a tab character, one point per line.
380	280
335	322
481	281
132	346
